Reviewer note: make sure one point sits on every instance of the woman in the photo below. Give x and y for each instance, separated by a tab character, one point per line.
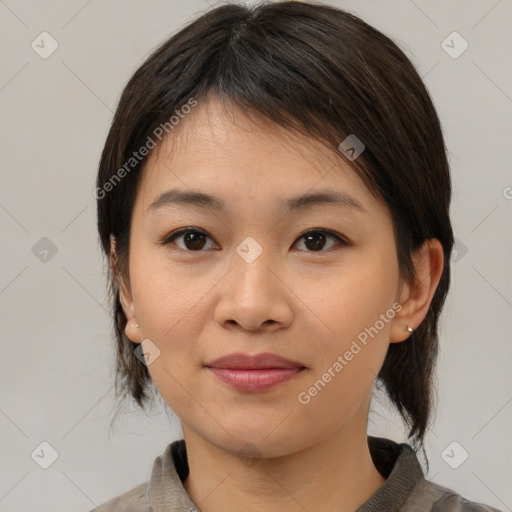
273	197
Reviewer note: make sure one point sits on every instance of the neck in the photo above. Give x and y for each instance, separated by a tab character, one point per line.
335	474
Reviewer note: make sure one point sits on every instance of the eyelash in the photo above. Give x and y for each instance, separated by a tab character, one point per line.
168	239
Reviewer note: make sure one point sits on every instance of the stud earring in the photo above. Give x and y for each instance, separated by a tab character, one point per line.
136	325
409	328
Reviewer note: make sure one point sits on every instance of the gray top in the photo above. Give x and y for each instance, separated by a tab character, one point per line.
405	489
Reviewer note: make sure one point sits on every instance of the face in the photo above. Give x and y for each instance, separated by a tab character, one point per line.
207	281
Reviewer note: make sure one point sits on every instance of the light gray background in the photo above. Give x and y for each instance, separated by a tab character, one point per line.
56	371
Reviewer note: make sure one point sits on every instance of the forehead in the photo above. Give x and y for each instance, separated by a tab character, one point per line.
214	130
237	154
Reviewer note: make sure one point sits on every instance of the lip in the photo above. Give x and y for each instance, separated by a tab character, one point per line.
254	373
240	361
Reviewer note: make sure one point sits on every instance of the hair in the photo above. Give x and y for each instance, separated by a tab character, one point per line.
314	70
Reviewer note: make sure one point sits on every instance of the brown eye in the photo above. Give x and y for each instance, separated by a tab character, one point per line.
193	240
316	239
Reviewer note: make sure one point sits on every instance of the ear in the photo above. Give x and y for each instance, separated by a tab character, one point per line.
125	297
415	297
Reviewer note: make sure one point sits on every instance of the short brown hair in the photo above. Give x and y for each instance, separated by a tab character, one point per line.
322	72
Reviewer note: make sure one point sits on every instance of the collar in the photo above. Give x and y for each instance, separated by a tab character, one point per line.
398	463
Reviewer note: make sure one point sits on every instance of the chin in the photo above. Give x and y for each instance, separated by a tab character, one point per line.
256	444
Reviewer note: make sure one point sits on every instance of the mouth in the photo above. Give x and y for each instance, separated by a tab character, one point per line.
257	373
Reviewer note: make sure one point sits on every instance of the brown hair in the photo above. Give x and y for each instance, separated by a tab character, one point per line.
322	72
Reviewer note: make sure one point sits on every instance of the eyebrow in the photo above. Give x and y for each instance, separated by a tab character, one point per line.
303	202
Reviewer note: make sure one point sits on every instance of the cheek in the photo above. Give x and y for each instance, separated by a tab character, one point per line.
166	297
170	309
357	296
358	311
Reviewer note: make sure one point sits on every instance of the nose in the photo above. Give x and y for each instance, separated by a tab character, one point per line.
254	296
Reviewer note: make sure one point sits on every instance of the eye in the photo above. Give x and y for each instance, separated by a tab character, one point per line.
315	239
193	239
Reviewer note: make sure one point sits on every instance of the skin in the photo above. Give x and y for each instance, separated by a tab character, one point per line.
267	450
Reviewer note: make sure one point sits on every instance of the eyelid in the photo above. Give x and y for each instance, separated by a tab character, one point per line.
167	239
334	234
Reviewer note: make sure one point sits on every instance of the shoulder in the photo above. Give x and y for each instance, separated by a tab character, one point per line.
436	498
135	500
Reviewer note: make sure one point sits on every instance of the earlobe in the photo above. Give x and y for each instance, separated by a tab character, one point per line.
415	297
132	325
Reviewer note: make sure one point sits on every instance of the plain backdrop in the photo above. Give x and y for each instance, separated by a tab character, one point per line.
56	373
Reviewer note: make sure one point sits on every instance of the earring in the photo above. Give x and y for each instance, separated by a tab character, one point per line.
136	325
409	328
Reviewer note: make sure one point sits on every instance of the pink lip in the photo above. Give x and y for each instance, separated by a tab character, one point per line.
254	373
